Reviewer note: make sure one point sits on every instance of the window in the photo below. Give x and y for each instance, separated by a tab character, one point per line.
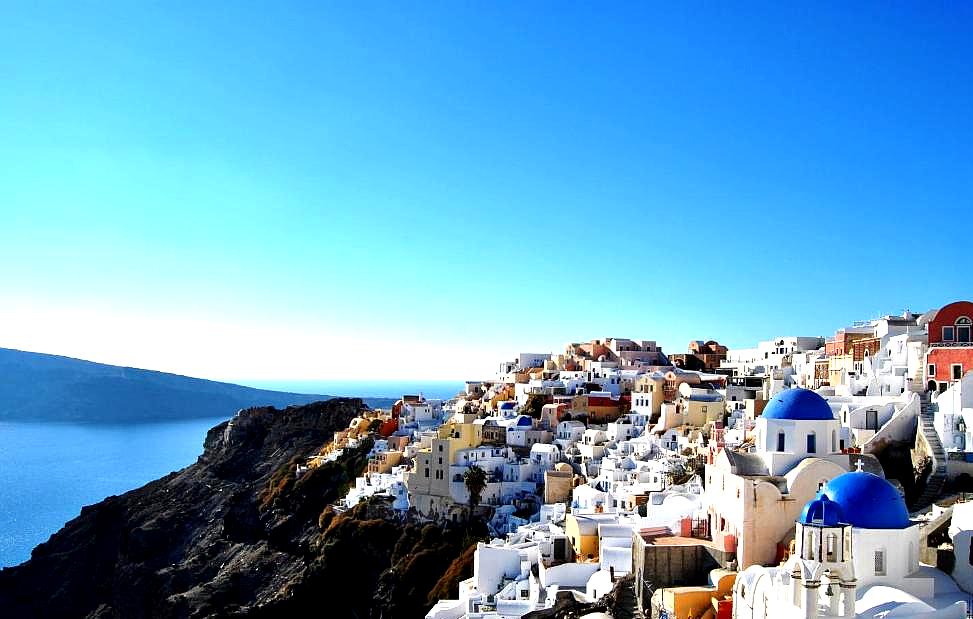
957	371
780	441
932	370
812	444
831	547
963	329
880	563
427	472
948	335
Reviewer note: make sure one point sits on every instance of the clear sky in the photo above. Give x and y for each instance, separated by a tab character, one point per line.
419	190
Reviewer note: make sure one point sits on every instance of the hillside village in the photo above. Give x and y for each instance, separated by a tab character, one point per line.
803	477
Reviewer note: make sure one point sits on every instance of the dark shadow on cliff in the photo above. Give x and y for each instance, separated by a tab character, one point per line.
238	534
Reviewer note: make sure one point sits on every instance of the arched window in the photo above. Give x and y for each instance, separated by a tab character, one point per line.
812	443
963	324
831	547
834	441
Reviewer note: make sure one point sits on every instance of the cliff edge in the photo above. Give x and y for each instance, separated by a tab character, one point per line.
236	534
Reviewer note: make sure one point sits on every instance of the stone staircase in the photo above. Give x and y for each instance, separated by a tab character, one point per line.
626	603
937	477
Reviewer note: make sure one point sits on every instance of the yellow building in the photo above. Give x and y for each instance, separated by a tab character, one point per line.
583	533
648	395
697	601
582	530
558	483
383	462
428	482
699	407
837	366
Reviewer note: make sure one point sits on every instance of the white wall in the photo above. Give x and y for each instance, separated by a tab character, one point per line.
491	564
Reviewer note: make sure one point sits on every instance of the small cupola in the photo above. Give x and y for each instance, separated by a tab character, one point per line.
822	535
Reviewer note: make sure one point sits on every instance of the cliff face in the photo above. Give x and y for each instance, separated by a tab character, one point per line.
236	535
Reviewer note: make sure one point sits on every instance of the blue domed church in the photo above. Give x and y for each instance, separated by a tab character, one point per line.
754	496
855	554
796	423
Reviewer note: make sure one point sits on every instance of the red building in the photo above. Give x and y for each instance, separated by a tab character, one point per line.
702	356
950	353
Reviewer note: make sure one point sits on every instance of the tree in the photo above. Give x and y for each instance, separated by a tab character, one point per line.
475	479
535	405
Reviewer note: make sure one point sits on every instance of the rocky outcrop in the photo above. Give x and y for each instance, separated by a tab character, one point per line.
236	534
620	603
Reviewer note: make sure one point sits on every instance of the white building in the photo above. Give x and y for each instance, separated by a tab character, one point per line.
418	412
961	533
856	555
752	499
768	355
568	433
954	415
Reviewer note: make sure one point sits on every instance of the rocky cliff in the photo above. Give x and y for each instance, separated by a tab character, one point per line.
237	535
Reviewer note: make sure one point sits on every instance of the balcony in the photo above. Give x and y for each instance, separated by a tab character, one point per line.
952	345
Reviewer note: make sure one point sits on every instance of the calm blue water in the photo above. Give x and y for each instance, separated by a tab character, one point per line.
49	470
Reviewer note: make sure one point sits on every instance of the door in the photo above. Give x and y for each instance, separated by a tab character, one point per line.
871	420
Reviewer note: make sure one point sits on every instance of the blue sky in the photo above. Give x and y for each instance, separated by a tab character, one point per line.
330	191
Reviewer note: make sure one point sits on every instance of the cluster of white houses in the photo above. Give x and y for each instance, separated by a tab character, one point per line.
714	483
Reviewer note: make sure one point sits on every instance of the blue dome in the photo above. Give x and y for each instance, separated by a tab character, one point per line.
525	421
507	406
822	511
866	501
798	404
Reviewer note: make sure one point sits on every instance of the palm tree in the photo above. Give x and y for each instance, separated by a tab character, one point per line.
475	479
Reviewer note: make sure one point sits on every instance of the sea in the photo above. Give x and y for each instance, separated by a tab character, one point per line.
48	471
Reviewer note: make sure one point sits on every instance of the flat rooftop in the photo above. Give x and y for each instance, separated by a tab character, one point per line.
676	540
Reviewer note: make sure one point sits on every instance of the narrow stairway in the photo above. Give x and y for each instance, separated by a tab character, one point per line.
937	477
626	603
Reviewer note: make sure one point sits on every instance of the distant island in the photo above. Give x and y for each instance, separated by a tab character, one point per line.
42	387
